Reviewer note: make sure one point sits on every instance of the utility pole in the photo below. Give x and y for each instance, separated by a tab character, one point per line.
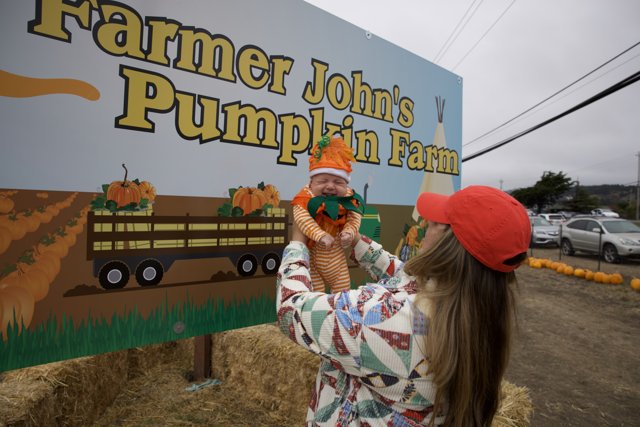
638	190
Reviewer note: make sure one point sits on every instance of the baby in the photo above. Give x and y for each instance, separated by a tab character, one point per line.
329	213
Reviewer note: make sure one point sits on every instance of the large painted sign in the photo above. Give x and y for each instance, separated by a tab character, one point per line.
150	150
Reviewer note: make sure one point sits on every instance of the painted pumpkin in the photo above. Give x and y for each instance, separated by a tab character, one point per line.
147	191
5	238
272	194
412	236
23	304
249	199
6	205
124	192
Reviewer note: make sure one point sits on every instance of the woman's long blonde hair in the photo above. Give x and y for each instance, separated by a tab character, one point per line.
471	314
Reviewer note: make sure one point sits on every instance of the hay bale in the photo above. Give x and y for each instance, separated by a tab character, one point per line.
147	386
258	358
143	359
160	397
70	392
75	392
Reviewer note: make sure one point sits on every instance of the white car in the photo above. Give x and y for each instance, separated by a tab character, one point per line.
605	212
554	219
615	238
543	233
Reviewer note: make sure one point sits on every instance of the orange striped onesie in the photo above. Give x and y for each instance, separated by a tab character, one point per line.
328	265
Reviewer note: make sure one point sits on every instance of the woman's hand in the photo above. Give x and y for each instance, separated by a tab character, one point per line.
297	235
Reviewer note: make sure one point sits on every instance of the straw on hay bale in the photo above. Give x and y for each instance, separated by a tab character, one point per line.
280	374
266	381
73	392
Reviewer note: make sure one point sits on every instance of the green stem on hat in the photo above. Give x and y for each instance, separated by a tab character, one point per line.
324	141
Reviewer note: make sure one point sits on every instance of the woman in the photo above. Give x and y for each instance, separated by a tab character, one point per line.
428	343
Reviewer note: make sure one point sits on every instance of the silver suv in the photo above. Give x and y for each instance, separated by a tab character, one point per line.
618	238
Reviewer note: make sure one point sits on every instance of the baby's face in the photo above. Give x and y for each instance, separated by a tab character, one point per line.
325	184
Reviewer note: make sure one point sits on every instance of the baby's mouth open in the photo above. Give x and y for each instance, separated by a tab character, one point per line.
329	193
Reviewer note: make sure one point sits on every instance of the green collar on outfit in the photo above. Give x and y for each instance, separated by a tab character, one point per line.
332	204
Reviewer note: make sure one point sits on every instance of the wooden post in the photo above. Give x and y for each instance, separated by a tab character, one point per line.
202	357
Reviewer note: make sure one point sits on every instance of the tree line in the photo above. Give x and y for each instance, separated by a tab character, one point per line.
555	192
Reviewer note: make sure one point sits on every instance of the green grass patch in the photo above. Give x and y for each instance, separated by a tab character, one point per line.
58	339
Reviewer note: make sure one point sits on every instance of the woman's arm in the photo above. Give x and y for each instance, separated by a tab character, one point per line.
321	323
370	255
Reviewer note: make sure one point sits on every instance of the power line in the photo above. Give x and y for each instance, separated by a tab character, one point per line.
483	36
551	96
610	90
523	117
442	50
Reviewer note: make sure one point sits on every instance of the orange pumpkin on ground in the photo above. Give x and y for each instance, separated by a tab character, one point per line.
124	192
536	263
599	277
579	272
616	279
589	275
635	284
249	199
568	270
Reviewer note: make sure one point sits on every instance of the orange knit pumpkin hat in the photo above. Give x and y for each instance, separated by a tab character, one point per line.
332	156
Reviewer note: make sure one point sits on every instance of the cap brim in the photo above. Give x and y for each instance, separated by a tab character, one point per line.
432	207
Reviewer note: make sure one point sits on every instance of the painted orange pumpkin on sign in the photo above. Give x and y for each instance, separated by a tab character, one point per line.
124	192
249	199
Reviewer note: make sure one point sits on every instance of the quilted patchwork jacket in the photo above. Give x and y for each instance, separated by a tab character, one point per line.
371	341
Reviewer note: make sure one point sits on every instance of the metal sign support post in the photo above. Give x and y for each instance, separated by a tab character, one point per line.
202	357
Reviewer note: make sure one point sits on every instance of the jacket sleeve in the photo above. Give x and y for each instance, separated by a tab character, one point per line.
322	323
380	264
307	224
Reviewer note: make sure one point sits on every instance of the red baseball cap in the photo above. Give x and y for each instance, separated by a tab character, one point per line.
490	224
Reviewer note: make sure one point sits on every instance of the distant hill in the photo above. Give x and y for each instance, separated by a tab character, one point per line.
612	195
620	198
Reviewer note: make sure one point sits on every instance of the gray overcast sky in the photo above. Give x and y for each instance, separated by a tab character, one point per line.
535	49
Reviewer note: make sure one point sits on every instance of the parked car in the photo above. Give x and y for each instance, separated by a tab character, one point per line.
605	212
618	238
543	233
567	214
553	218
